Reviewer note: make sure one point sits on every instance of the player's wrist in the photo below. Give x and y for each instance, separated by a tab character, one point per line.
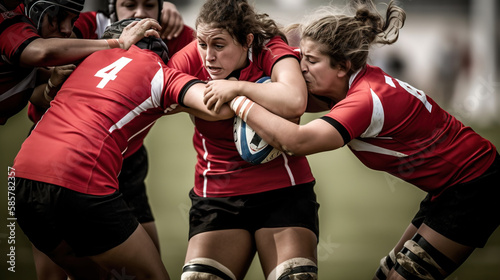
115	43
50	90
241	106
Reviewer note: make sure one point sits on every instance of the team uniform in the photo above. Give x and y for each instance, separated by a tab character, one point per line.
91	25
222	177
16	82
393	127
96	116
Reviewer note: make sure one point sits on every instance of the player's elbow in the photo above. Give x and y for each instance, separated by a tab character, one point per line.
224	113
291	146
38	54
295	107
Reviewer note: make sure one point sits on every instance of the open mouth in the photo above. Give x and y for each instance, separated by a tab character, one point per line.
213	69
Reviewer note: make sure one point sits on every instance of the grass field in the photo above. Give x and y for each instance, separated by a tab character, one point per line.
362	213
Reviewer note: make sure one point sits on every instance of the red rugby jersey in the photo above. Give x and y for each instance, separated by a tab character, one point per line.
97	115
220	171
16	82
396	128
91	25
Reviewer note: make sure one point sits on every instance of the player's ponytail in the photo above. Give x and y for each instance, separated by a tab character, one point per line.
348	38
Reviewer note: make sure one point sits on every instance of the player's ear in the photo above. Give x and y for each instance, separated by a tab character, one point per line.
344	68
249	40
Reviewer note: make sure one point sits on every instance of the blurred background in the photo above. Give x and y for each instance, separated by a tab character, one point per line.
447	48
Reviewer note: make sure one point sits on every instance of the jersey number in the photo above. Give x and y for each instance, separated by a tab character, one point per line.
109	72
412	90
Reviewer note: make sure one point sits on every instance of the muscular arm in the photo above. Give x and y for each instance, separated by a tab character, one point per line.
313	137
59	51
286	96
194	100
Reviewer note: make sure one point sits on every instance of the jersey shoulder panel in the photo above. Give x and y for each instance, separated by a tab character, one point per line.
274	50
91	25
188	61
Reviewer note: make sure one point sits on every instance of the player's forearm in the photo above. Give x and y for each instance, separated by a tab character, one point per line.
193	99
282	99
38	97
278	132
57	51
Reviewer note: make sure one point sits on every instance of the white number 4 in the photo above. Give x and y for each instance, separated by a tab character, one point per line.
109	72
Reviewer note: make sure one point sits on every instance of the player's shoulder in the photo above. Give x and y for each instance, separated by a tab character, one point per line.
13	17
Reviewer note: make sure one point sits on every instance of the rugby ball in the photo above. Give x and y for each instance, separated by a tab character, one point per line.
251	147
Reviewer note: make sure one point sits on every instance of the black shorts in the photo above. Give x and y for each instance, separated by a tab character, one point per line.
467	213
132	186
90	224
294	206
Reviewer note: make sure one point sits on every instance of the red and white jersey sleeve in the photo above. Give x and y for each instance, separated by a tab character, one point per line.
103	108
16	82
189	61
220	171
396	128
91	25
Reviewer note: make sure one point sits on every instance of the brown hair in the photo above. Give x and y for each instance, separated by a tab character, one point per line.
348	38
239	19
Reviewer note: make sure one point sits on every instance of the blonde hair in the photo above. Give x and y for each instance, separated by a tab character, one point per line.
349	38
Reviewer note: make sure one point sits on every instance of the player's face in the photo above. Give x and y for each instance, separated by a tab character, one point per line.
60	26
137	9
220	53
321	78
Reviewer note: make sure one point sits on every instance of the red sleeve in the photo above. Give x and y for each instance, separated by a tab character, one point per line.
35	113
275	50
354	112
16	32
176	85
186	37
86	26
188	61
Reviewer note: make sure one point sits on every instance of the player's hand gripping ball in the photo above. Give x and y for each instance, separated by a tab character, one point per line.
251	147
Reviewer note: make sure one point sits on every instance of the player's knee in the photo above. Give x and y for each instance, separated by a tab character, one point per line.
295	269
419	259
206	269
386	264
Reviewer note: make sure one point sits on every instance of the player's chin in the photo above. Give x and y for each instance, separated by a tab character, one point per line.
311	89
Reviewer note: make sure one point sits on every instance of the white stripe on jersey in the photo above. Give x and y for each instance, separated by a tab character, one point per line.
151	102
362	146
26	83
102	22
290	174
377	121
375	127
157	87
205	179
